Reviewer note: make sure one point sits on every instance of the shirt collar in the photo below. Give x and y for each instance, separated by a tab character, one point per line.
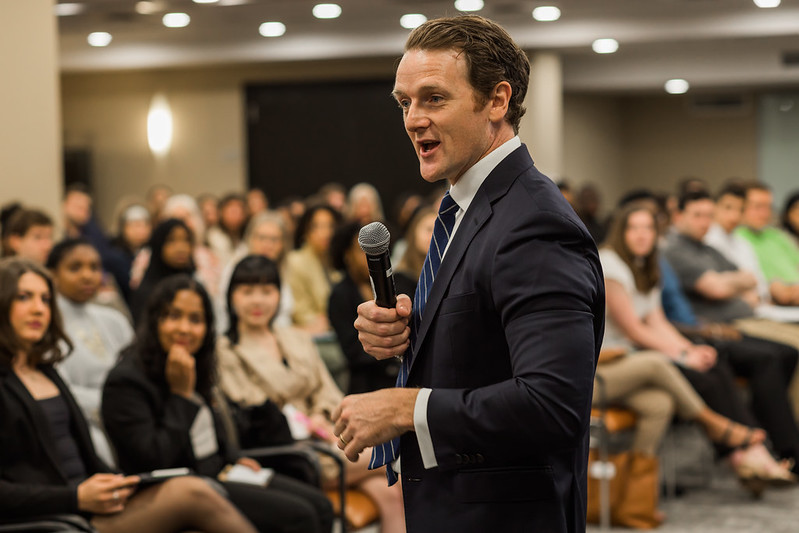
464	190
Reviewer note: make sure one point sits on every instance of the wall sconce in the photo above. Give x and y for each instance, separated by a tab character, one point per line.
159	126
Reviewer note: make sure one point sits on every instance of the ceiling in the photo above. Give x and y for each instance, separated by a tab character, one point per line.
714	44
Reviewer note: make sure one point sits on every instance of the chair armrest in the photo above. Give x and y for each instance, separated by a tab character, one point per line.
49	524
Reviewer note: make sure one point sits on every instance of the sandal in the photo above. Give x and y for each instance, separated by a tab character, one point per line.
751	436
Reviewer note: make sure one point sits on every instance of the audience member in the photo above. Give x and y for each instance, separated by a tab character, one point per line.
6	213
77	210
308	270
790	216
635	318
172	245
366	372
258	362
134	228
265	235
48	465
209	209
334	195
97	332
159	408
777	253
364	205
417	238
29	235
156	198
587	202
257	202
224	238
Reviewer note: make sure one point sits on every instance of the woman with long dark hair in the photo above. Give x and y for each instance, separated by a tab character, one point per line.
259	362
48	464
161	411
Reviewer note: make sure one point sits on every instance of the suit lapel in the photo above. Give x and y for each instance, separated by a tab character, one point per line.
495	185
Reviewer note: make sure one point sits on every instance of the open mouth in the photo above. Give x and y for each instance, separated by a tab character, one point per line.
429	146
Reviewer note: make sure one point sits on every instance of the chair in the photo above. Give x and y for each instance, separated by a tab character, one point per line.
359	509
606	422
49	524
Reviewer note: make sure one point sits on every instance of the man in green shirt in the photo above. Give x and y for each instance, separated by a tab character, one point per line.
776	251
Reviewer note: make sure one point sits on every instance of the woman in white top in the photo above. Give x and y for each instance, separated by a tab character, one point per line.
635	322
97	332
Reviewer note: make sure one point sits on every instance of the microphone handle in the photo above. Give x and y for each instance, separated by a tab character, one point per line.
382	277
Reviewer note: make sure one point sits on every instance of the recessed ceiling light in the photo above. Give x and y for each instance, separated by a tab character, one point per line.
326	11
146	7
205	1
767	3
99	38
546	13
468	5
605	46
176	20
272	29
676	86
412	20
69	9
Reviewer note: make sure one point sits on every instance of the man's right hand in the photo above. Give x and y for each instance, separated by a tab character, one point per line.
383	332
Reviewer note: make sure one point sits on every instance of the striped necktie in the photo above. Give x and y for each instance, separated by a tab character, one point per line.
389	451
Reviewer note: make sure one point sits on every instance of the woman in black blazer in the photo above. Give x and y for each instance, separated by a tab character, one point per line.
48	464
160	411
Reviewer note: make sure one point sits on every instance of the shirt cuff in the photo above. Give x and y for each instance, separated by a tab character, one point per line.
423	436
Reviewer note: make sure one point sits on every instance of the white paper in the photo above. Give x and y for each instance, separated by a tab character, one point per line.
245	474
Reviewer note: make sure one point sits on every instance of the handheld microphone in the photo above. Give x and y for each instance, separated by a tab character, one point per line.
374	239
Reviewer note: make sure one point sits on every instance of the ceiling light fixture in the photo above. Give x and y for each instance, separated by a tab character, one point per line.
677	86
176	20
412	20
69	9
205	1
469	5
546	13
605	46
326	11
272	29
765	4
99	38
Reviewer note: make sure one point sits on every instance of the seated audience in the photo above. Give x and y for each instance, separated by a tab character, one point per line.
97	332
258	362
588	210
6	212
309	272
257	202
29	235
366	372
635	320
48	465
160	411
172	244
133	231
364	205
776	251
156	198
225	238
209	208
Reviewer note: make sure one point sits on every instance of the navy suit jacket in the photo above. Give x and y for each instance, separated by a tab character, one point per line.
508	343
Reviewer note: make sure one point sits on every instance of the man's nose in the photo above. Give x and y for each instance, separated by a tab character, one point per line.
416	118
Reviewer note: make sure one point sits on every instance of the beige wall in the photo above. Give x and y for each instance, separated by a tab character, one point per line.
617	142
107	114
30	143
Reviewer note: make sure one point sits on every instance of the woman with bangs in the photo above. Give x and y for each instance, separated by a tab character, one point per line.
259	362
48	464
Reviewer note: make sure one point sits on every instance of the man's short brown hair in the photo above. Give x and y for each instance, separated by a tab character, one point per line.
23	220
490	53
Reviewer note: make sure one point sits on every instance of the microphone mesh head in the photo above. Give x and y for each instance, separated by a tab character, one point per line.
374	238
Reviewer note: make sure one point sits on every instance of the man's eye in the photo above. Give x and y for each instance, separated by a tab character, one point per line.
436	99
404	104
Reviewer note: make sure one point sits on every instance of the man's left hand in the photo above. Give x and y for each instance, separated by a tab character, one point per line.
364	420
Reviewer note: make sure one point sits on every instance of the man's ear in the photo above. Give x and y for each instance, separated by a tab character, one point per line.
499	101
14	242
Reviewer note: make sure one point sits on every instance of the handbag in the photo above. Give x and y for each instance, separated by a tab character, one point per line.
633	493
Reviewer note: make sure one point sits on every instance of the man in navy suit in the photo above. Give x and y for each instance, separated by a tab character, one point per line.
493	415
